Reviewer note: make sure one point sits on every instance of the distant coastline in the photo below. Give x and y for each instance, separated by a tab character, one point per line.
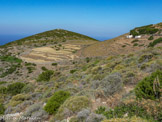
4	39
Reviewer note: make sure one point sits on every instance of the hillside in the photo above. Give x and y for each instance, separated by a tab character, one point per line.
47	47
82	80
52	36
123	45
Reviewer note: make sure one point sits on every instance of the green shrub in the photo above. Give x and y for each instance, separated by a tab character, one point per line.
148	88
28	88
145	57
9	71
135	44
149	29
11	59
72	105
136	40
134	33
54	64
45	76
29	64
44	68
3	90
87	59
2	82
15	88
72	71
2	109
19	98
155	42
119	111
30	69
56	101
151	38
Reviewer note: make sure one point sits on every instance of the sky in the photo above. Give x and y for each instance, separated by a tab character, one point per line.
101	19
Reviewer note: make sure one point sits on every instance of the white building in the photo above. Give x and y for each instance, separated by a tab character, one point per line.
129	36
138	37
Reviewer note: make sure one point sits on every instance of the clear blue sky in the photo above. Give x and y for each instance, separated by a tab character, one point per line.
96	18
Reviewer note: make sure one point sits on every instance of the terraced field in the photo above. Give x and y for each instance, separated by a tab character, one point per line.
51	53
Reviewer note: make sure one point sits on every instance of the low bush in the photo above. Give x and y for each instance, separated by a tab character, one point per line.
28	88
145	58
151	38
72	106
2	109
72	71
149	87
56	101
2	82
11	59
10	70
136	40
54	64
155	42
135	44
3	90
119	111
19	98
36	111
15	88
45	76
109	85
30	69
95	118
44	68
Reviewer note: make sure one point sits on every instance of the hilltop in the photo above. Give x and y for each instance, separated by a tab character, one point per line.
52	36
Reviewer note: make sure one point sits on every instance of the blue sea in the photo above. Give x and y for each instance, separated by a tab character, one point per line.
4	39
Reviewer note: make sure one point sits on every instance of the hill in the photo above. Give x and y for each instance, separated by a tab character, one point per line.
54	83
50	46
123	45
52	36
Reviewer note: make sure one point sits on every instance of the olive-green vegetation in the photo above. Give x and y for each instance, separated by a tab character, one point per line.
57	35
151	38
10	59
2	109
54	64
56	101
136	40
13	89
73	105
155	42
45	76
149	29
14	64
120	110
149	87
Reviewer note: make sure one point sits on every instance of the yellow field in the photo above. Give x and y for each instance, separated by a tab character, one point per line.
51	53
